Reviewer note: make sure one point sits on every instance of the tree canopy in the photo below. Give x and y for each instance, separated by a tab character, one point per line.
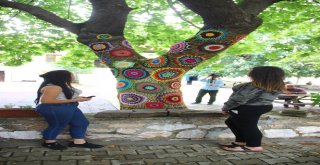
289	36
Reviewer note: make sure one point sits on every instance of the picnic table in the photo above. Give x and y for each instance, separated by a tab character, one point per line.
297	100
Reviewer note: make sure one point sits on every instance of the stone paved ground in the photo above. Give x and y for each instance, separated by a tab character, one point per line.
188	152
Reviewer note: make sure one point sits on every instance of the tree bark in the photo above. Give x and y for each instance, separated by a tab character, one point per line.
255	7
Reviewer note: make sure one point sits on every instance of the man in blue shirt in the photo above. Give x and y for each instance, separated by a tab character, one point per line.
211	85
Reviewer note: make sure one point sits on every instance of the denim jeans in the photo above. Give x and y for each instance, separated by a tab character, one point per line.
59	116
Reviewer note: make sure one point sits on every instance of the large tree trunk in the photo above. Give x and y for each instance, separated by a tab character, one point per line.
155	83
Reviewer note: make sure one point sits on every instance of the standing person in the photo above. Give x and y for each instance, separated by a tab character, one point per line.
247	103
211	85
59	106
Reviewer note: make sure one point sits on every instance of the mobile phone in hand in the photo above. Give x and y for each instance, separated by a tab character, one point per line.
89	96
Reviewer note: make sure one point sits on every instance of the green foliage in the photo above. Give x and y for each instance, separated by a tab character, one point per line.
315	97
289	36
79	56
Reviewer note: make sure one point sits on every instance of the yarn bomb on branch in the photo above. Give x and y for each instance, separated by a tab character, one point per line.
210	35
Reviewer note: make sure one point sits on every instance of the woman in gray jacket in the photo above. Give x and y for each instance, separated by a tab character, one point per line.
247	103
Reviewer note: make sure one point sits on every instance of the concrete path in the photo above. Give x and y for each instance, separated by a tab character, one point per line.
23	93
277	152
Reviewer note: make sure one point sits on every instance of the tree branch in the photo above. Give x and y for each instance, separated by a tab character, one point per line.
15	14
315	1
43	15
222	14
108	16
180	15
255	7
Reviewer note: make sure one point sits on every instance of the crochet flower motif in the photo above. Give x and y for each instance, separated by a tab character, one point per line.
167	74
126	44
132	98
175	85
154	105
157	62
171	98
211	47
123	84
101	46
104	36
115	72
188	60
180	47
120	53
149	88
123	64
135	73
210	35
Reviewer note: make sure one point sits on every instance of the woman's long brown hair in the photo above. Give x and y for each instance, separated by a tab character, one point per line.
269	78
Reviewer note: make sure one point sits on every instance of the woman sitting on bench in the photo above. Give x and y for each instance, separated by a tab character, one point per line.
288	94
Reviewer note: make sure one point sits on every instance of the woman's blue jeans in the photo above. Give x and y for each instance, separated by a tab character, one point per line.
59	116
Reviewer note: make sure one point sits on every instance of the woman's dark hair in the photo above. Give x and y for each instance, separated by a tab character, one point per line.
60	78
269	78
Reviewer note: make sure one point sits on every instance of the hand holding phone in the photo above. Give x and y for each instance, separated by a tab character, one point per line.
89	96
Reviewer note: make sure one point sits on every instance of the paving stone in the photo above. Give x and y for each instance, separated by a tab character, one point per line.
107	157
120	162
223	162
167	160
170	155
15	149
191	163
136	147
161	147
248	161
178	150
94	153
252	156
221	158
24	163
192	159
143	156
86	157
306	159
203	153
307	163
16	158
271	155
38	153
151	151
278	160
6	154
39	157
123	152
67	162
90	162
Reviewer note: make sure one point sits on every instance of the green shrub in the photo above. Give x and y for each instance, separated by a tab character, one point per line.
315	97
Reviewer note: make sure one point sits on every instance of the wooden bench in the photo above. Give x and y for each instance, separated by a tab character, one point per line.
295	105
